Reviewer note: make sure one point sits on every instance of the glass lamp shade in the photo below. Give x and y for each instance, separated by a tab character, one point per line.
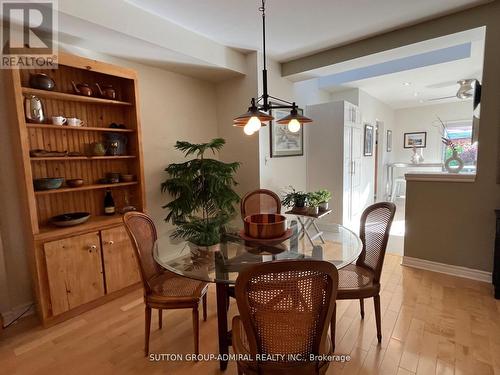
294	115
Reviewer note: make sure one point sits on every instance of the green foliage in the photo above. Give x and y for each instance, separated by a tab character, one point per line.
313	199
202	188
294	198
323	195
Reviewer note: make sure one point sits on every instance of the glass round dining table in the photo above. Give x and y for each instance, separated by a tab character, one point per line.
334	243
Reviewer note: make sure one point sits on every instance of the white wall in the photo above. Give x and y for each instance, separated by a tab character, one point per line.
425	119
173	107
277	174
373	111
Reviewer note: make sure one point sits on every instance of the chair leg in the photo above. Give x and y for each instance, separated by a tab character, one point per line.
147	329
205	307
160	318
333	323
196	330
376	302
362	307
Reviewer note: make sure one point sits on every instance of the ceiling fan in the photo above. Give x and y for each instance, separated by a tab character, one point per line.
465	91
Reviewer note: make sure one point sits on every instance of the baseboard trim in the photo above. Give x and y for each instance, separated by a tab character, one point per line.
447	269
9	315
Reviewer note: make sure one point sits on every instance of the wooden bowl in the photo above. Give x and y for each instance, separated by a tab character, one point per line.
74	182
264	226
127	177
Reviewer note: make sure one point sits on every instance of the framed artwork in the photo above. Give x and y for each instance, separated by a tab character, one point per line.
368	140
415	139
283	141
388	141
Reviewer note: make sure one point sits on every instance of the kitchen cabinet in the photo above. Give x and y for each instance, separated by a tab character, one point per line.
74	271
120	264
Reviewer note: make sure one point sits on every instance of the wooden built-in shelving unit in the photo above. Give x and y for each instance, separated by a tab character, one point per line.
71	97
66	280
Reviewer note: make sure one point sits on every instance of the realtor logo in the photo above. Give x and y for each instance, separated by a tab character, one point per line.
29	34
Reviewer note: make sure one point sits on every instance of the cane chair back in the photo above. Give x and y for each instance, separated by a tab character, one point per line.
286	306
260	201
375	226
142	232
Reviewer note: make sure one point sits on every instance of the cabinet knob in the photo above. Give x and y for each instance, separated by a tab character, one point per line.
92	247
111	242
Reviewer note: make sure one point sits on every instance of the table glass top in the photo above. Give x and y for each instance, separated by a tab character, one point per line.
341	247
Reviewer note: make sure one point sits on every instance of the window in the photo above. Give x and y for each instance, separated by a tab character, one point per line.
460	134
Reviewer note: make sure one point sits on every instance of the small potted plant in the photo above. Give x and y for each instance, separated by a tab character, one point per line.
204	199
313	202
324	196
297	200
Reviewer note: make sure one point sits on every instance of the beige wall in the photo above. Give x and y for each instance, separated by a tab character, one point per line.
173	107
424	118
446	222
232	99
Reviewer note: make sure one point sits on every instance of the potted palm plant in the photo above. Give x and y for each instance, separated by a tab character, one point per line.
203	196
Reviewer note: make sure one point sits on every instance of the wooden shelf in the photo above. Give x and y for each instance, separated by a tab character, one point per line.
70	158
71	97
94	223
85	187
78	128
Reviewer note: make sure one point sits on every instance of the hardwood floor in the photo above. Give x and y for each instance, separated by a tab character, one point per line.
432	324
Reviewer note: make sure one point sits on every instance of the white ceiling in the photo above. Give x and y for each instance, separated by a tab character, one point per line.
425	83
297	27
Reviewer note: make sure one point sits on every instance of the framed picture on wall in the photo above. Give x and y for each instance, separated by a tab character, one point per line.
388	141
415	139
283	142
368	140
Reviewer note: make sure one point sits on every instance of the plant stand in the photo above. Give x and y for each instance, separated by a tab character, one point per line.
306	221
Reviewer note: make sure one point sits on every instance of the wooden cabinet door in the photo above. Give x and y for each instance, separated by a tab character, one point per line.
74	270
120	264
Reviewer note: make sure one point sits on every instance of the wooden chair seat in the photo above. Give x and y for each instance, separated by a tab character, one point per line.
168	288
241	346
163	290
285	308
356	282
361	280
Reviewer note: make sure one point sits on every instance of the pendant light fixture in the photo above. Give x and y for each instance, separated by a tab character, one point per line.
256	116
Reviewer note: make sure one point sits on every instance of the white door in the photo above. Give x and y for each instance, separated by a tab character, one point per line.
353	154
356	186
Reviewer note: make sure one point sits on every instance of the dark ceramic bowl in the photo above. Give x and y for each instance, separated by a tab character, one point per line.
69	219
41	81
48	183
74	182
265	225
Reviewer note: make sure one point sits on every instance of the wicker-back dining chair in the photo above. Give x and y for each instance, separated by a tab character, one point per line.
163	290
285	309
261	201
361	280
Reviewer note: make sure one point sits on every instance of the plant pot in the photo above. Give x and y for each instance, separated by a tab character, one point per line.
323	206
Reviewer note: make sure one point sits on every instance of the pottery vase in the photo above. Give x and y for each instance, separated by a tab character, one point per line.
454	164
